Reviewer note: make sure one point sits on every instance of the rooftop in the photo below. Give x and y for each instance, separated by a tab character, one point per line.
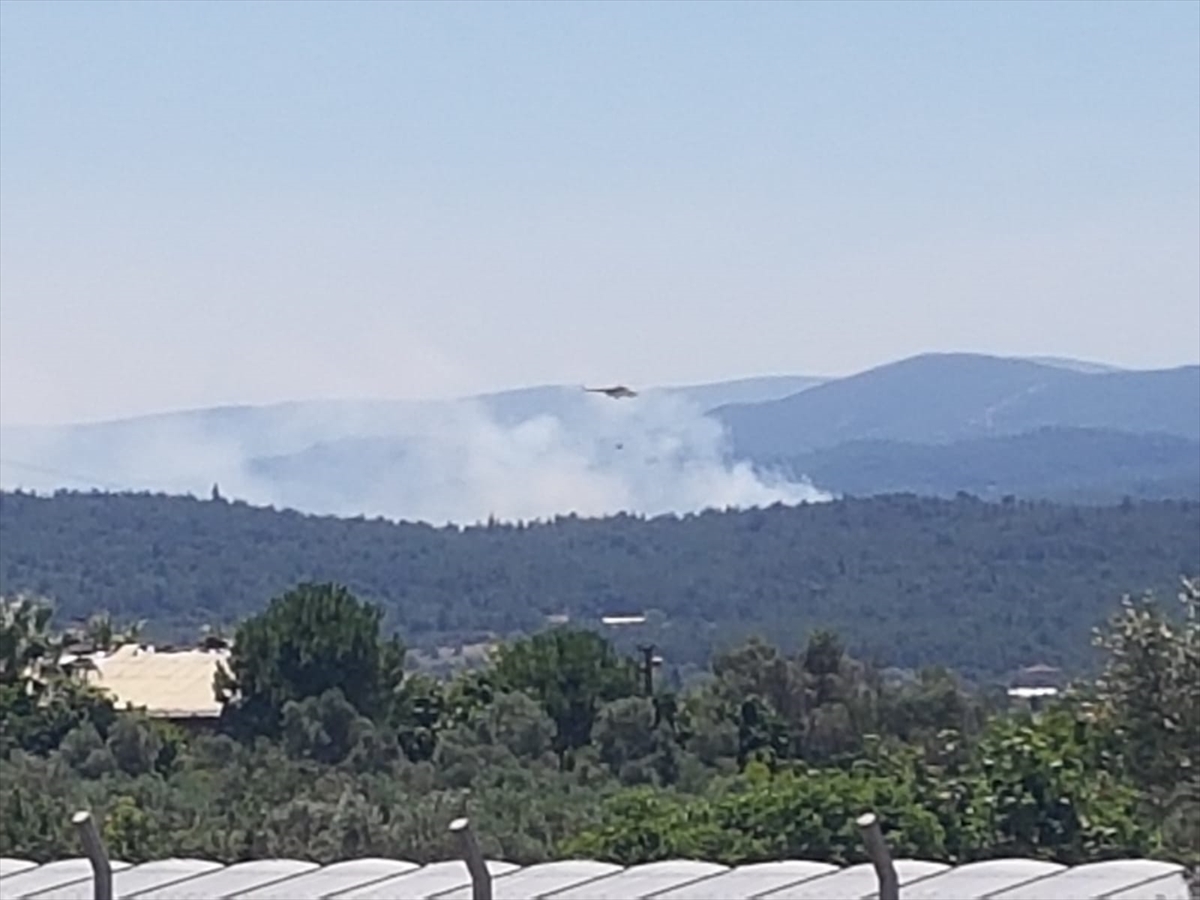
390	879
168	684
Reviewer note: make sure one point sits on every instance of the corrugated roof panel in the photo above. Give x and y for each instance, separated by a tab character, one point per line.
42	878
10	865
1089	881
750	880
385	879
229	881
331	879
540	879
427	881
130	881
642	881
978	879
855	882
1168	887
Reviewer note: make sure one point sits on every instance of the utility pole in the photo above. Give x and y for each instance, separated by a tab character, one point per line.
648	660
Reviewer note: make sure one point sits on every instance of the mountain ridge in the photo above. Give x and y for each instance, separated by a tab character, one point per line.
326	455
936	398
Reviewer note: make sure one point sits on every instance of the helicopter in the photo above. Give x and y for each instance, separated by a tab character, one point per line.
617	392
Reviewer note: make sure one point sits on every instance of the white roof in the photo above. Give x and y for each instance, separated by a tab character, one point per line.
331	879
128	882
10	865
168	684
1168	887
388	879
979	879
643	881
1027	692
856	882
28	882
750	880
539	880
228	881
1092	880
427	881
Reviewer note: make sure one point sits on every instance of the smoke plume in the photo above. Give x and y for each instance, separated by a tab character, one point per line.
461	462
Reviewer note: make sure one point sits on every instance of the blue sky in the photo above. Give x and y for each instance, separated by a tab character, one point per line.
206	203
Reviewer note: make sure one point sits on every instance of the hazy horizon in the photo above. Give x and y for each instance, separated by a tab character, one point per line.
533	454
451	398
207	204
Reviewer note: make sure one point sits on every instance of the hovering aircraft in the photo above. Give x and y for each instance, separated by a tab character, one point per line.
617	392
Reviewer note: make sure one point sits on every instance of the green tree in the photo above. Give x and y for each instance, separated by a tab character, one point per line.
1149	694
1150	688
570	672
134	744
325	728
312	639
103	633
1050	788
29	652
40	699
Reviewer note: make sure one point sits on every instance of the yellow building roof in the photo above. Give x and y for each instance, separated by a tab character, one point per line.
167	684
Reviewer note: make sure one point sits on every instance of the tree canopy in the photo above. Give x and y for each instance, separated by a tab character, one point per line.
771	754
982	588
312	640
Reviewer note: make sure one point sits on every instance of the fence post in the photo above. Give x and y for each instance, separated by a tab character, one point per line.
877	849
481	879
94	848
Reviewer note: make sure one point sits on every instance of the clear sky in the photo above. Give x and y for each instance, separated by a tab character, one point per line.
212	202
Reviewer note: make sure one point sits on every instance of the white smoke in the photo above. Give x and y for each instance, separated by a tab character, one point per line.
439	462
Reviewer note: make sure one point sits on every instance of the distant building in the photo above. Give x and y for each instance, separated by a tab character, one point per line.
167	684
622	620
1035	682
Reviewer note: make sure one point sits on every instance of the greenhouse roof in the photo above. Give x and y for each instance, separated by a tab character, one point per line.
390	879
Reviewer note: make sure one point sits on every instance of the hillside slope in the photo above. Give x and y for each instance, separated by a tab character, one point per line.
1075	464
940	398
1059	429
977	586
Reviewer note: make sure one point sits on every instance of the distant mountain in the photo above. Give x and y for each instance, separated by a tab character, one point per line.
939	398
935	424
278	428
1083	366
745	390
1064	464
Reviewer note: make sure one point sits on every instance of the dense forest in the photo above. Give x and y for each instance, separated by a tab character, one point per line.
1076	465
327	749
980	587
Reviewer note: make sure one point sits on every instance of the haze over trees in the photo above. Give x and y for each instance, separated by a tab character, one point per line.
934	424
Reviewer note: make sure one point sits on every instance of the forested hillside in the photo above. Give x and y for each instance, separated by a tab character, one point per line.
980	587
1078	465
935	398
